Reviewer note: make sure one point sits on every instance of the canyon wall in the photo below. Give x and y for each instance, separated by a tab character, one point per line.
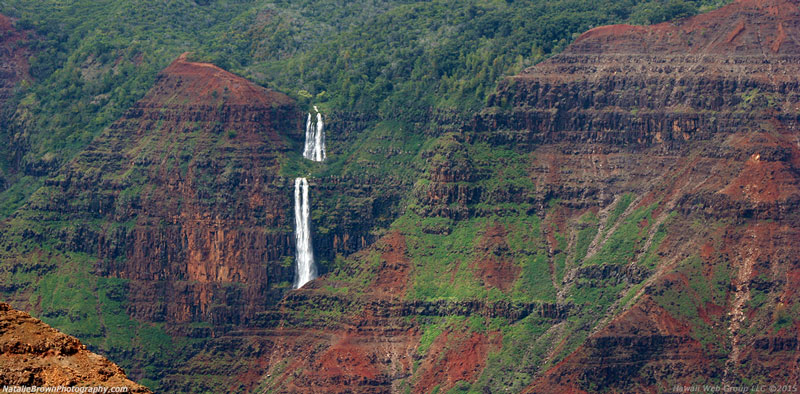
620	217
644	183
188	181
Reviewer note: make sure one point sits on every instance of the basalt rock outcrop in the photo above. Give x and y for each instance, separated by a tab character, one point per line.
671	84
188	183
181	203
34	354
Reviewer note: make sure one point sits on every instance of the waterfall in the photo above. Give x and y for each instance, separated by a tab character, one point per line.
309	146
306	270
320	143
314	148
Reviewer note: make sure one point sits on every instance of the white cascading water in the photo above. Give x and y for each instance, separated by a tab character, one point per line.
314	148
306	270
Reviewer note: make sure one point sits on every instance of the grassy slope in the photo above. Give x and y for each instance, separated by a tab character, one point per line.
444	254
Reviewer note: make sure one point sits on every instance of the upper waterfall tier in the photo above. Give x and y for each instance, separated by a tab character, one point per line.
314	148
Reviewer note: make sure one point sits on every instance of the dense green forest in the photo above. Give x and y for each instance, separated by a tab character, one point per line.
92	59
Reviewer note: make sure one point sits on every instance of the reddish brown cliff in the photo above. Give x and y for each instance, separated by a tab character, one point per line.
701	115
186	184
622	217
668	84
194	167
181	201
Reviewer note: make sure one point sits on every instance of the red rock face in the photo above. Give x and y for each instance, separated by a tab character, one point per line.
191	83
746	27
458	357
394	270
216	216
188	183
697	118
640	345
702	114
493	266
669	84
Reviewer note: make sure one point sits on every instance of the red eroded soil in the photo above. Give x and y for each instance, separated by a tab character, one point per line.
622	349
763	181
203	83
348	357
206	147
726	30
497	270
35	354
394	270
452	358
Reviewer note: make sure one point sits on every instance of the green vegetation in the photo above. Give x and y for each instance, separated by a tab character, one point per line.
399	64
560	259
442	262
524	343
618	210
586	235
447	265
17	194
782	320
704	289
93	59
429	334
621	245
754	99
94	309
651	255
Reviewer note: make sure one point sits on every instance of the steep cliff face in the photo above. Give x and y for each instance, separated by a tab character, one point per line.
700	118
187	184
34	354
643	185
175	225
175	219
370	169
667	84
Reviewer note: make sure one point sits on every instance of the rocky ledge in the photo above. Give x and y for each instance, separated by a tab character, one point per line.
35	354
